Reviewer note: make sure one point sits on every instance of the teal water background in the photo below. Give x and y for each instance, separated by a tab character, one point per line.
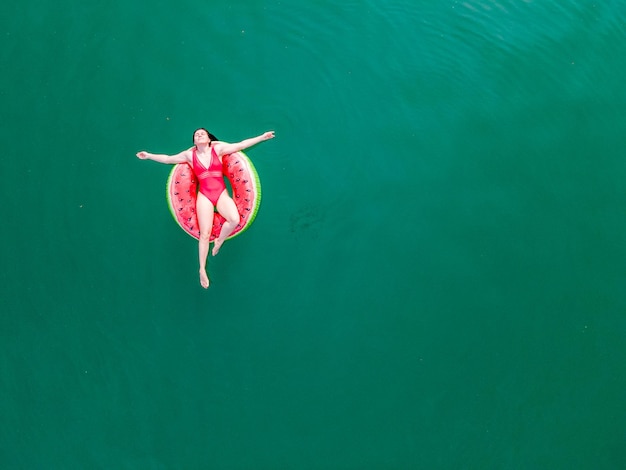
435	278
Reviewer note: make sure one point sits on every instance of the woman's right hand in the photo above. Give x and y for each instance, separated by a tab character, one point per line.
143	155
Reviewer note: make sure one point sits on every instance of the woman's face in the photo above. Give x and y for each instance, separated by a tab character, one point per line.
200	137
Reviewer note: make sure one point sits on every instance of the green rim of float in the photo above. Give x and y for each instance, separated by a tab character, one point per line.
181	191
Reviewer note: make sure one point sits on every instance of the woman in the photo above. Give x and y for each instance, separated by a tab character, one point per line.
205	157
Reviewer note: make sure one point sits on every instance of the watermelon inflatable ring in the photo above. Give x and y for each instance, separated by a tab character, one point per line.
181	191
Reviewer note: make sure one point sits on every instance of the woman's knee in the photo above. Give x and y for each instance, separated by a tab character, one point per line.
205	235
234	218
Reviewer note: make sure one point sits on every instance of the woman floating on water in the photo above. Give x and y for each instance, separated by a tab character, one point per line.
205	157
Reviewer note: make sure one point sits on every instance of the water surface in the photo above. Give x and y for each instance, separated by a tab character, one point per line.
435	277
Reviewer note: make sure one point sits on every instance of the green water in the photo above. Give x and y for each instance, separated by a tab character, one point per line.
435	278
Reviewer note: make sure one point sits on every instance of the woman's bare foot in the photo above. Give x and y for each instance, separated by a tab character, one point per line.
216	246
204	279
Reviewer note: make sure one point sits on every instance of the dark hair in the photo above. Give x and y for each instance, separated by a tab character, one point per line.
211	136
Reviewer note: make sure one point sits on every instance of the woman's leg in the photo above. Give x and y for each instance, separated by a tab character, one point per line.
226	206
204	211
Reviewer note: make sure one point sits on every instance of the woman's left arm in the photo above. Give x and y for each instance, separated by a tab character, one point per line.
224	148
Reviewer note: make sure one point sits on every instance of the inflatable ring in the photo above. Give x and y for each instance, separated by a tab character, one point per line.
181	191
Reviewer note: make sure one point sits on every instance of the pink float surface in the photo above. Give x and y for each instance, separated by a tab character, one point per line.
181	191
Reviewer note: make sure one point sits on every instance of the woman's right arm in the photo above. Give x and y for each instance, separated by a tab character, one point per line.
182	157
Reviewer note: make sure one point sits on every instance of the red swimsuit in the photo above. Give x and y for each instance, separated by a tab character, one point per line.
210	179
